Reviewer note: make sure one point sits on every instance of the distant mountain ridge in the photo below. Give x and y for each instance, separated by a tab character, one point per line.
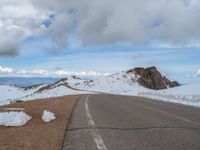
132	80
26	81
149	78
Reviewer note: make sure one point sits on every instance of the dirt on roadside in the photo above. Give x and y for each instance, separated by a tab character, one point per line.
36	134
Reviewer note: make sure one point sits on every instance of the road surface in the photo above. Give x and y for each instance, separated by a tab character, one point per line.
111	122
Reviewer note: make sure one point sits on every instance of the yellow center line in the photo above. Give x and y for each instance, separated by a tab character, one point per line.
173	115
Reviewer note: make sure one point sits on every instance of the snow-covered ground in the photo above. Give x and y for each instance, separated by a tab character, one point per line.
11	93
54	92
121	83
186	94
125	84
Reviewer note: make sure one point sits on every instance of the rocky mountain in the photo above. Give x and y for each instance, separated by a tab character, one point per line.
135	82
122	82
151	78
131	82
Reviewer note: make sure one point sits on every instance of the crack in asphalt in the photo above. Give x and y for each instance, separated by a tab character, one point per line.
129	129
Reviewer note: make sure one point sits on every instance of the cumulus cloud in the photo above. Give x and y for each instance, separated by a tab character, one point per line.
46	73
18	20
197	74
81	73
136	21
6	70
194	75
100	22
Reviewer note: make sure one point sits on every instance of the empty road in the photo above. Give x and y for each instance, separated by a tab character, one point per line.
111	122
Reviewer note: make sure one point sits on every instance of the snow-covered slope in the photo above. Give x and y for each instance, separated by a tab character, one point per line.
120	83
186	94
11	93
53	92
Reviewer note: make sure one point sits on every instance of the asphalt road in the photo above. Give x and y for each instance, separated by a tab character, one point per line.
110	122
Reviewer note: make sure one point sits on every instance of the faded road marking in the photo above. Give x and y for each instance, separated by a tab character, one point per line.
88	114
99	142
97	138
172	115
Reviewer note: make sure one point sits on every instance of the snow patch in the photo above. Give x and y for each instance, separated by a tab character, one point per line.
14	118
48	116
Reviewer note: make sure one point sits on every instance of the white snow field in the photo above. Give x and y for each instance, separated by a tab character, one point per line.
12	93
186	94
14	118
54	92
121	83
48	116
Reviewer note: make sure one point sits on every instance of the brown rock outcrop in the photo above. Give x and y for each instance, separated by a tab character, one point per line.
151	78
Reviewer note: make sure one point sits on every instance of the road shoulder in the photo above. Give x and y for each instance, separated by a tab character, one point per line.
37	135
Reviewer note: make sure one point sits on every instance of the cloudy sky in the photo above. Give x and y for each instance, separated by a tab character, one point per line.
90	37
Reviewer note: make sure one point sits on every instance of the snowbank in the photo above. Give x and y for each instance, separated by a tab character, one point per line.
187	94
14	118
48	116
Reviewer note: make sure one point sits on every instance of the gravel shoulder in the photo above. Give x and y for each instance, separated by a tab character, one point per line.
36	134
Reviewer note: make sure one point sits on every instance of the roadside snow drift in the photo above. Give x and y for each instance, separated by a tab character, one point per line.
14	118
187	94
48	116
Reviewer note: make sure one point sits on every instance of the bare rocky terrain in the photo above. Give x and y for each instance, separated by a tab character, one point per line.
151	78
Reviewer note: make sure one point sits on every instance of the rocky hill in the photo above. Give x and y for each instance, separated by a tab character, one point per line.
151	78
134	80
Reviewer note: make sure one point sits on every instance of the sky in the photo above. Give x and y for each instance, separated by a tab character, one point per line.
97	38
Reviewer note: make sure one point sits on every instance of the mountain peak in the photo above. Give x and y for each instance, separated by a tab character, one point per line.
151	78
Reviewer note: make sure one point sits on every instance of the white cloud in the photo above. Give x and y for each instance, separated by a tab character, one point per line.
45	73
136	21
40	72
18	20
6	70
197	74
82	73
100	22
